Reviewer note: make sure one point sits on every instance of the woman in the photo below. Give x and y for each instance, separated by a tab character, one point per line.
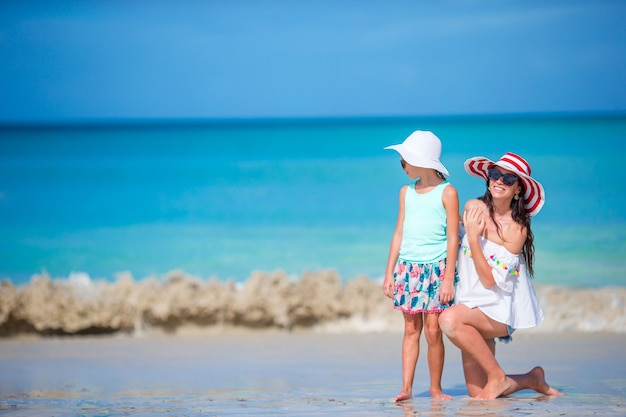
494	295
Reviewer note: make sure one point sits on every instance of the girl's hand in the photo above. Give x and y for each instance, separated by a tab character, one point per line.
446	292
388	287
474	221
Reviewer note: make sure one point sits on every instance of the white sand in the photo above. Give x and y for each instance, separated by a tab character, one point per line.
274	373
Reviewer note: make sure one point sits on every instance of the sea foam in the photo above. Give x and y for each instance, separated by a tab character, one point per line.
318	301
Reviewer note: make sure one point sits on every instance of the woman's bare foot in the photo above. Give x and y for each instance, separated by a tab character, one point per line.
539	384
494	389
439	395
403	396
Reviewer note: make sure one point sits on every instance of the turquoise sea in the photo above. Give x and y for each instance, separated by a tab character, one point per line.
225	198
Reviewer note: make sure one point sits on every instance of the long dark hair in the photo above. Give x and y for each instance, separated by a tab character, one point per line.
521	217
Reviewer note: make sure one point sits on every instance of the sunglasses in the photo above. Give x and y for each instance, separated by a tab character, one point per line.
507	179
403	163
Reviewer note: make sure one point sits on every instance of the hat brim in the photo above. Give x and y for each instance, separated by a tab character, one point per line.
534	194
416	160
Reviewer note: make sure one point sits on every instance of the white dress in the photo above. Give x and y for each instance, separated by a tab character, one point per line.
512	300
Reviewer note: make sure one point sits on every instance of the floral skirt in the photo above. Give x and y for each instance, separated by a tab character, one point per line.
417	287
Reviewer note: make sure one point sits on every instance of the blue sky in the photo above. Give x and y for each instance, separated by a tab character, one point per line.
77	60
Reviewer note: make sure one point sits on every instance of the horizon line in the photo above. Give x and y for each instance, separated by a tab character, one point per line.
200	121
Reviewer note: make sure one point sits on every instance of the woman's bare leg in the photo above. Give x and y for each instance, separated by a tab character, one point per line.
535	379
436	355
410	351
475	377
470	330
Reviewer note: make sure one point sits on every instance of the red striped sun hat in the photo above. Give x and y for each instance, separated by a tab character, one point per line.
534	195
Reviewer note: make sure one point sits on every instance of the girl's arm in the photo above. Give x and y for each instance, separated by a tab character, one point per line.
451	204
394	249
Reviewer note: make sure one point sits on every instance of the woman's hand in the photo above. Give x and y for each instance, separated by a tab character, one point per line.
474	221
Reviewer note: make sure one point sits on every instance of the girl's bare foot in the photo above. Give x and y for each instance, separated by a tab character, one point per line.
403	396
439	395
494	389
539	384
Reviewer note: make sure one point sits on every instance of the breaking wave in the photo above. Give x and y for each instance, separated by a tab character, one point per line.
317	301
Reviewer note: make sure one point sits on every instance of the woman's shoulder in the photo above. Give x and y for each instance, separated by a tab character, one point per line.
511	238
514	237
474	203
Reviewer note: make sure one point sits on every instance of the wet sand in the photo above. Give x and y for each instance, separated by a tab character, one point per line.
220	373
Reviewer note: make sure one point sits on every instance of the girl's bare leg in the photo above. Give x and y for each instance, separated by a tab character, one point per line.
410	351
468	329
436	355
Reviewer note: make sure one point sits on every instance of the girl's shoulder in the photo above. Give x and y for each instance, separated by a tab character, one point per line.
450	198
448	187
403	190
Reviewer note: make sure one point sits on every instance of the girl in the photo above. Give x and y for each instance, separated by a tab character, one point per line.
420	273
495	262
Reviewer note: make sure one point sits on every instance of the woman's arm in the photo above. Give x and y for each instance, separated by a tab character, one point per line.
474	220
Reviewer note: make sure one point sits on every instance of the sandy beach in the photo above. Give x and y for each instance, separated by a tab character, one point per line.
235	372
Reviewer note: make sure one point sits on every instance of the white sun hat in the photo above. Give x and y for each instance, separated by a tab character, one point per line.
534	195
421	149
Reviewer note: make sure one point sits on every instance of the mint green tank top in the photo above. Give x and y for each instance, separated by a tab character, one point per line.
424	229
